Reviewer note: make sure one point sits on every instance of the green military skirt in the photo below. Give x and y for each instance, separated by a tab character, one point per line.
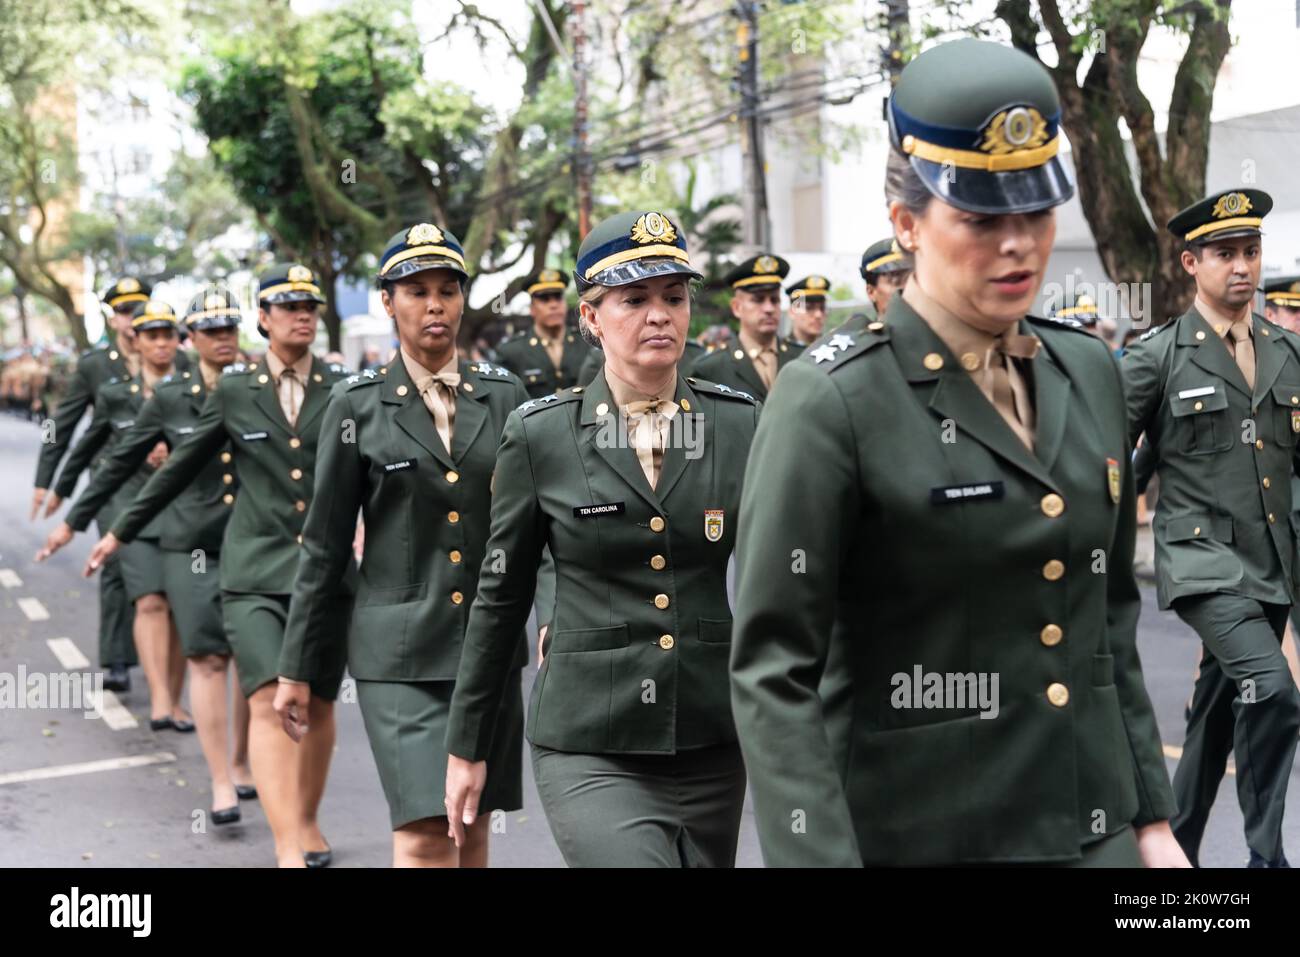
142	570
194	593
255	629
406	722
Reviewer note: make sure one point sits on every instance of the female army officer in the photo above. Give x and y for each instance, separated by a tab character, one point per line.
418	467
981	697
270	416
633	482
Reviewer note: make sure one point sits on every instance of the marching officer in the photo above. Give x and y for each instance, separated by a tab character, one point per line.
1217	392
190	536
808	308
932	463
548	357
269	417
885	269
95	367
420	473
1282	302
633	482
117	407
760	354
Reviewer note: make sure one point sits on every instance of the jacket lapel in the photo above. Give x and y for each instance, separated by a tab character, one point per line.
315	397
749	375
605	434
471	412
266	399
1051	405
674	460
1209	351
1270	357
411	415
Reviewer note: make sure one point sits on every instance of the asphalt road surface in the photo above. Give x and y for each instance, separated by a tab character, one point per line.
106	791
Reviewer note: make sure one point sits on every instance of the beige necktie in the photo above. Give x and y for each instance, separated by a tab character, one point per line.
554	350
1005	385
1244	350
765	365
647	434
439	394
289	390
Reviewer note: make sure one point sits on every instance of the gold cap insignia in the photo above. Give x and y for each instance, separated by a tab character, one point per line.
158	309
548	275
128	285
214	301
422	234
816	282
1295	287
653	228
1231	204
765	264
299	274
1019	128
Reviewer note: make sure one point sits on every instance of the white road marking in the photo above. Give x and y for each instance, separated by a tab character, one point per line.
9	578
113	712
33	609
69	655
86	767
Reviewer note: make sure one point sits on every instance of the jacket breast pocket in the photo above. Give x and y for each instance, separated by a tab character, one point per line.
590	639
1286	430
1199	550
1204	422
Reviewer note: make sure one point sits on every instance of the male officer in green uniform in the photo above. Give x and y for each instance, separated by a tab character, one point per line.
96	367
1217	392
885	269
1282	308
752	366
808	308
548	357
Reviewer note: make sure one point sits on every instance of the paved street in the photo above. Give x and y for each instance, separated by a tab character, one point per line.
137	805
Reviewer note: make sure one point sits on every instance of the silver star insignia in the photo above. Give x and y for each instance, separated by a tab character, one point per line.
723	388
527	405
825	353
745	395
549	398
841	341
501	370
369	373
353	379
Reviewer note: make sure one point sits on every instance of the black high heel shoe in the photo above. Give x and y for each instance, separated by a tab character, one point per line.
226	815
161	724
318	858
246	792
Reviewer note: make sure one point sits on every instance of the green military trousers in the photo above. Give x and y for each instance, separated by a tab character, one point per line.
116	616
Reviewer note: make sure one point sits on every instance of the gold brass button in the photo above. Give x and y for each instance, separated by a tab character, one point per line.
740	353
228	498
1265	483
933	361
299	539
1058	694
970	362
602	409
1053	570
295	442
228	479
1265	331
113	354
666	642
1259	443
457	598
532	341
1051	635
686	405
656	524
1196	530
402	390
264	378
453	477
455	557
1295	400
1271	519
134	387
469	386
1200	335
657	562
661	602
195	388
295	474
875	326
453	517
300	505
1052	505
317	378
383	370
1199	406
225	456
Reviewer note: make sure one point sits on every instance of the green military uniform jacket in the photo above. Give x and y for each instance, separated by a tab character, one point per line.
94	369
197	518
275	464
595	361
426	514
733	367
906	527
637	658
118	405
526	357
1224	454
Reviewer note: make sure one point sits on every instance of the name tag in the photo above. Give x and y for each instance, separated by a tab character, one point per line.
254	436
532	372
595	511
185	431
124	424
399	466
1193	393
966	493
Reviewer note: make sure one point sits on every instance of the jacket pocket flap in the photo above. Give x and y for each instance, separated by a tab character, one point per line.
1197	404
398	595
591	639
1188	528
715	630
1287	396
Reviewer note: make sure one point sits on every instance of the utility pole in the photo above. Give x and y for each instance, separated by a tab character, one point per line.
757	229
898	30
582	156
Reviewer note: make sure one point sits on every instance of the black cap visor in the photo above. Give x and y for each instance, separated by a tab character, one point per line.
997	194
416	264
635	270
293	295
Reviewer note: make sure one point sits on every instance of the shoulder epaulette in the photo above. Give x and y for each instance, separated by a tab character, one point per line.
92	351
339	368
720	390
492	373
1157	330
364	377
1056	322
533	406
836	349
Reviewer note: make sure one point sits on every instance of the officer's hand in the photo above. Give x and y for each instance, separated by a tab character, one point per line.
465	781
38	499
102	552
60	536
158	455
359	541
1159	848
541	643
292	700
52	503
